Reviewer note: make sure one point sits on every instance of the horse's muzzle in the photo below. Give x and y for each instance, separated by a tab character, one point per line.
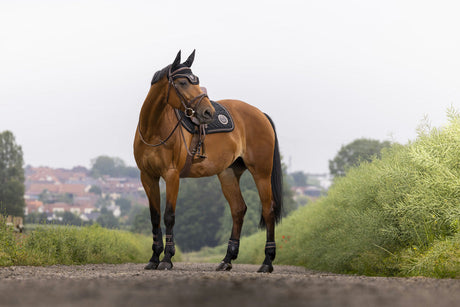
205	114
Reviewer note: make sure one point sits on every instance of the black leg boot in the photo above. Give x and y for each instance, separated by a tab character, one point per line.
270	254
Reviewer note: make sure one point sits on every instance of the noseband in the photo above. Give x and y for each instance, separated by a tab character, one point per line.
188	104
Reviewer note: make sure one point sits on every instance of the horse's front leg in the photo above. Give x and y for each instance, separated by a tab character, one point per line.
152	189
172	189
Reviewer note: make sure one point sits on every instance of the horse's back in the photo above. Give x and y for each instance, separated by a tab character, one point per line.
248	119
253	129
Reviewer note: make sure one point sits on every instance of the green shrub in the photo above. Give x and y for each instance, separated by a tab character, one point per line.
398	215
48	245
441	259
8	247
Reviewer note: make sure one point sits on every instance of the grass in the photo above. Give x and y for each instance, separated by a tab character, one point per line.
394	216
48	245
206	255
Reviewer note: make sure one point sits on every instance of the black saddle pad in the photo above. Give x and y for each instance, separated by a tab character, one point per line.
223	121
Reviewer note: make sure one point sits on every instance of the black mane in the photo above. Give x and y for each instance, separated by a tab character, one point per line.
160	74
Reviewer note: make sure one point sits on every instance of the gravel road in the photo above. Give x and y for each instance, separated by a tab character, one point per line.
193	284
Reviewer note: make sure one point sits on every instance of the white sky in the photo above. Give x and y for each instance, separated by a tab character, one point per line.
74	74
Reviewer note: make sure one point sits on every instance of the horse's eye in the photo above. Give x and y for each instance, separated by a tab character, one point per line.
182	83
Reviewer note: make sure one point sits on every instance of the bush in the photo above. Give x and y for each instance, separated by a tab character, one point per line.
441	260
398	215
8	247
75	245
48	245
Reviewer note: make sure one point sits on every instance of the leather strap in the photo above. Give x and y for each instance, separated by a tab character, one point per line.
196	145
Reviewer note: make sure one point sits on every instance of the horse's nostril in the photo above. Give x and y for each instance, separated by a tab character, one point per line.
208	113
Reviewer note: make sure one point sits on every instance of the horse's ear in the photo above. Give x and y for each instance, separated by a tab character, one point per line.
176	61
190	59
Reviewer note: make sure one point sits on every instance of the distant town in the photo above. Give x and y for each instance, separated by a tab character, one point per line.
51	192
55	191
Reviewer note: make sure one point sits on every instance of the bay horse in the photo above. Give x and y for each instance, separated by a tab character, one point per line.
161	148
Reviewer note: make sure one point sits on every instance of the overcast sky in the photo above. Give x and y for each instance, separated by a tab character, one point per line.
74	74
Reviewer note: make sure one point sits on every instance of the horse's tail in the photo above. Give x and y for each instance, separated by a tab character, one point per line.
277	181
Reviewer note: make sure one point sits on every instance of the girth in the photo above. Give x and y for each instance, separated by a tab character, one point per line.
223	122
196	147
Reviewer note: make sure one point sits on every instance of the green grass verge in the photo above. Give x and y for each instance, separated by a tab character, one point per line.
48	245
395	216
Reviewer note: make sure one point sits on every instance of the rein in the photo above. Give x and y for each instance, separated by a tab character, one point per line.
161	141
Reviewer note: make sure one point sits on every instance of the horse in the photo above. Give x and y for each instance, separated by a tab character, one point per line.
163	149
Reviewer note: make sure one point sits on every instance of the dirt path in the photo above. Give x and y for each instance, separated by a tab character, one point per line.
192	284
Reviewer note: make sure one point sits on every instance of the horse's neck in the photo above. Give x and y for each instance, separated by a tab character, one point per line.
154	114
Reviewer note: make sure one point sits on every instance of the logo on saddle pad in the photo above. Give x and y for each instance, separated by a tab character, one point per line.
223	119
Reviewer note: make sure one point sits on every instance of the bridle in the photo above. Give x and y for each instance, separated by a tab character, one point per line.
187	104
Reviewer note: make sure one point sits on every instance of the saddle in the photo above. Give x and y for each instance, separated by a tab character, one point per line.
223	122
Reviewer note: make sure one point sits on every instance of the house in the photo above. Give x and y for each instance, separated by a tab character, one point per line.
34	190
56	207
73	189
90	216
64	207
311	191
33	206
68	190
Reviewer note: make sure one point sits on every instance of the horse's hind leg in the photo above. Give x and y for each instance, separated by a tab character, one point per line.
263	183
152	189
229	180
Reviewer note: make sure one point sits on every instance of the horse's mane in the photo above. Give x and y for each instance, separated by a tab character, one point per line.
160	74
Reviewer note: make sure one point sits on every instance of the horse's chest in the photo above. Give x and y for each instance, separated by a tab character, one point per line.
158	161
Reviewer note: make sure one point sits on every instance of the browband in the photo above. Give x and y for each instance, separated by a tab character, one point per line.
185	72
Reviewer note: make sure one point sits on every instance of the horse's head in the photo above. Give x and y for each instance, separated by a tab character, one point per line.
187	95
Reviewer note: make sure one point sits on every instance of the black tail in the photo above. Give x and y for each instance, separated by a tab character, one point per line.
277	181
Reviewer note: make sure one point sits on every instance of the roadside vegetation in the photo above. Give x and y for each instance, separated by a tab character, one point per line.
398	215
53	244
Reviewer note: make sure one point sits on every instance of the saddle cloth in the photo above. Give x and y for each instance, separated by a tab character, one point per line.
223	121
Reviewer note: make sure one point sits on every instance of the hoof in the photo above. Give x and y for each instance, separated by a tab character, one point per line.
151	266
265	268
223	266
165	266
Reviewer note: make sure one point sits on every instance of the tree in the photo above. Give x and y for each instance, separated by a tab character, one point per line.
124	204
95	189
353	154
68	218
141	222
46	197
11	176
112	166
103	202
104	165
36	218
107	220
300	178
200	204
